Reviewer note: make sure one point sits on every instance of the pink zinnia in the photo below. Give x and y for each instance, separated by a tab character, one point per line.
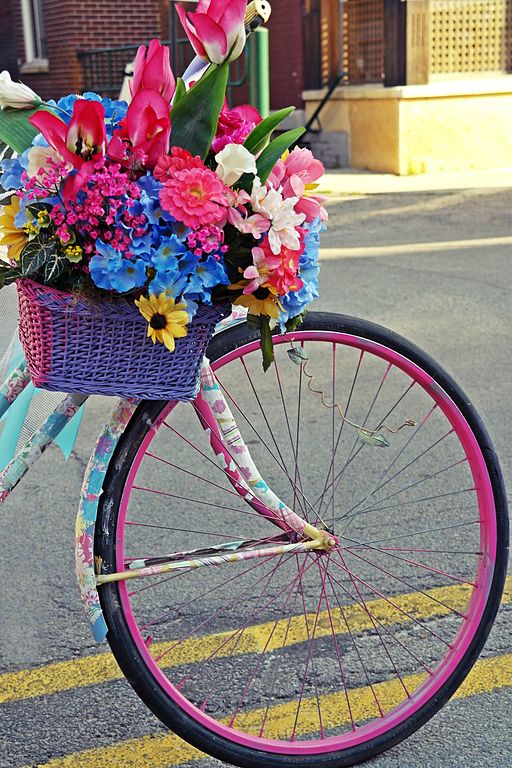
197	197
178	160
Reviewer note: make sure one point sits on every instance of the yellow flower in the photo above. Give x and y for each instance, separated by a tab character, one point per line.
259	306
74	253
167	320
16	239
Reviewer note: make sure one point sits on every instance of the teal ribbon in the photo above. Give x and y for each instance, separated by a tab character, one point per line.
14	418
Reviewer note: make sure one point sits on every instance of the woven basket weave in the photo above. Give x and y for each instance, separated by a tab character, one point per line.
101	348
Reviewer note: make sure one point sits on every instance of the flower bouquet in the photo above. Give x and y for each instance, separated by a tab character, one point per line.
144	221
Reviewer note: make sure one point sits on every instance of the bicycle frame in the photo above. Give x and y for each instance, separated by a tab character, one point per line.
224	437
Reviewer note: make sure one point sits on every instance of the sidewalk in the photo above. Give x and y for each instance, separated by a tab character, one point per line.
350	182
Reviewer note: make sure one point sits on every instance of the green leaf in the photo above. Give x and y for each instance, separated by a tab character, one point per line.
297	355
295	322
266	344
180	91
260	136
35	255
377	441
54	268
8	275
196	115
15	129
275	151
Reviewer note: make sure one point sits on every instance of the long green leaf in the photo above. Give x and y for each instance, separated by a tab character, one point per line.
275	150
266	344
260	136
196	115
180	91
15	129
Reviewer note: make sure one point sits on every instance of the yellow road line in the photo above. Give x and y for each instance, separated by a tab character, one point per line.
101	668
411	248
166	751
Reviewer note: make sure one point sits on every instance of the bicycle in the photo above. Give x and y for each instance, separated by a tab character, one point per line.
298	567
249	590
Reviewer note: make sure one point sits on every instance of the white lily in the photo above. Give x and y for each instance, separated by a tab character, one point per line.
233	161
16	95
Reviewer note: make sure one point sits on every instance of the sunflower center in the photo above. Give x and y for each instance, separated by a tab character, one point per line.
158	322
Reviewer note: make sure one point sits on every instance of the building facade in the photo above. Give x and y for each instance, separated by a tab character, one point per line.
402	86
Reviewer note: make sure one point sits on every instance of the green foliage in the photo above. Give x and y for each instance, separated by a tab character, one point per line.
196	115
374	440
41	260
275	151
15	129
266	344
180	91
260	136
295	322
269	157
8	275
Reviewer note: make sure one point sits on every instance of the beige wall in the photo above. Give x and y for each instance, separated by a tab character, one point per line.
446	126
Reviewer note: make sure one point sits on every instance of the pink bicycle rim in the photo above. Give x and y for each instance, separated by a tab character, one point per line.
488	541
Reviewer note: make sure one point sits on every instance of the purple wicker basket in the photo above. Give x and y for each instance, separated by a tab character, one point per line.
77	345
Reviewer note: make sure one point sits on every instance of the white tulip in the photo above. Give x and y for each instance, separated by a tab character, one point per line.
233	161
16	95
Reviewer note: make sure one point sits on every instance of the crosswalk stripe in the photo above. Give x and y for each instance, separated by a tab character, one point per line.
102	668
168	750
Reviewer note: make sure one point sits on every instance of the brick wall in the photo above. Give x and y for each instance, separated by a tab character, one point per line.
73	26
8	58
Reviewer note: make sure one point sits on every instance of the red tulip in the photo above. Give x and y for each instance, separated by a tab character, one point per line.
153	71
145	132
80	141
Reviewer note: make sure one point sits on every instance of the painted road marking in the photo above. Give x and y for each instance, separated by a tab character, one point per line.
102	668
168	750
405	249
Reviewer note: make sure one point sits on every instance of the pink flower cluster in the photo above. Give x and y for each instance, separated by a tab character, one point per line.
102	210
206	240
235	125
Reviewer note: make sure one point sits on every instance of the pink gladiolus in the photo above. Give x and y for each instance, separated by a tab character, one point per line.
217	30
235	125
145	132
82	140
153	71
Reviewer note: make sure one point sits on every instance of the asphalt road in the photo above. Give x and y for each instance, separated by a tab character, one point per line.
453	302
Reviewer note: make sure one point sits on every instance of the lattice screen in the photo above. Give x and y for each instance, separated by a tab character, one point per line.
470	36
363	40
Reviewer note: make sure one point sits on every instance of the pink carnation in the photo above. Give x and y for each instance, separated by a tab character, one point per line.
196	197
235	125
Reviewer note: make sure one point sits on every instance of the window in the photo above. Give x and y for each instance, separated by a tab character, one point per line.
33	32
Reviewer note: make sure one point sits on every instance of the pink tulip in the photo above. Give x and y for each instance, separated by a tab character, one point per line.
82	140
217	30
145	132
153	71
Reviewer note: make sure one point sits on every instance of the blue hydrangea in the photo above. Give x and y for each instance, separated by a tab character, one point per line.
208	274
172	283
11	174
110	270
294	303
170	251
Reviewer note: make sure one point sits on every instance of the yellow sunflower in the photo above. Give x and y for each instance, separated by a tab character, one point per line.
258	304
16	239
167	320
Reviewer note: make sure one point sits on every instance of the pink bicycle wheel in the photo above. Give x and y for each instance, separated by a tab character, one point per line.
323	658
